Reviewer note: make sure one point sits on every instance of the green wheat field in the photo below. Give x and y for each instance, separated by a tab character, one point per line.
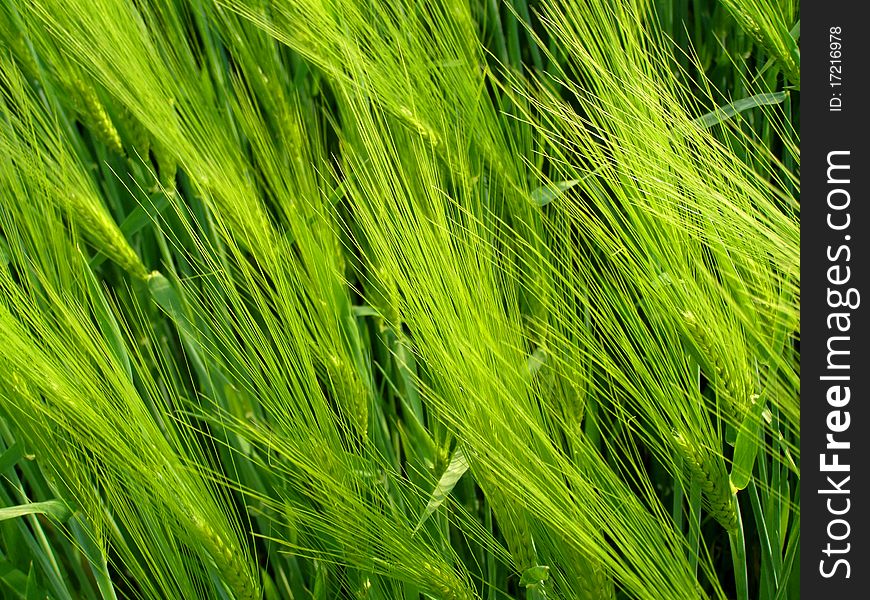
399	300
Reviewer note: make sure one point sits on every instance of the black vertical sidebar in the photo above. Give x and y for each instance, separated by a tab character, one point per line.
835	225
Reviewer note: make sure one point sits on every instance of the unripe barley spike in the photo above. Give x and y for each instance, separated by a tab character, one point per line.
445	584
595	584
710	475
732	385
136	134
99	119
105	233
227	560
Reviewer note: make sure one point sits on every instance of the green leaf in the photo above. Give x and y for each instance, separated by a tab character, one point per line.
365	311
32	589
536	360
730	434
166	297
746	446
141	216
454	471
96	555
109	324
11	456
536	592
53	508
535	575
731	110
13	578
545	194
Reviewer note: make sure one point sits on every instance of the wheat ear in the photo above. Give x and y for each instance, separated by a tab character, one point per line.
710	475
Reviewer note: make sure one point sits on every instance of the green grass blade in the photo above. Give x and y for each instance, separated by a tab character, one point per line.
729	111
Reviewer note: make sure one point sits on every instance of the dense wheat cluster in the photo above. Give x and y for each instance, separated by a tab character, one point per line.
389	299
